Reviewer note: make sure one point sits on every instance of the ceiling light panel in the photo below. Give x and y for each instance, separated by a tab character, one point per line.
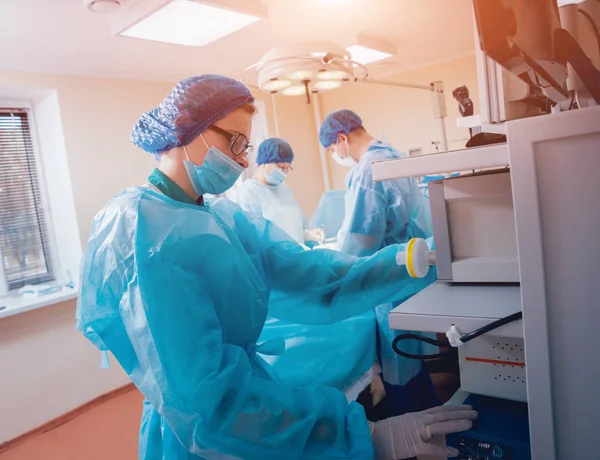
186	22
366	50
365	56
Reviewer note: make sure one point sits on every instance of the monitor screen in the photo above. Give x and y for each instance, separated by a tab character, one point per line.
520	36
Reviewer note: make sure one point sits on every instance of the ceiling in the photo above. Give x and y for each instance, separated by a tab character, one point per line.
62	36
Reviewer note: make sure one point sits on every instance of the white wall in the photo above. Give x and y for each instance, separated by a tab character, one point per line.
48	368
297	126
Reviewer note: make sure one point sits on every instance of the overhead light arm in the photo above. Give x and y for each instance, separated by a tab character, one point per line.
396	83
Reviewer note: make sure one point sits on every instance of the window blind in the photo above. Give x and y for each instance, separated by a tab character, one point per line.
24	237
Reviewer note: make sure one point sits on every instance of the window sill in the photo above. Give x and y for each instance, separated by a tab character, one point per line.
21	304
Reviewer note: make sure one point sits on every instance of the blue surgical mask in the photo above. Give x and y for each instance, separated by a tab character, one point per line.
216	175
276	177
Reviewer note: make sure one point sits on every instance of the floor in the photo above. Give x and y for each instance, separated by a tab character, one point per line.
107	431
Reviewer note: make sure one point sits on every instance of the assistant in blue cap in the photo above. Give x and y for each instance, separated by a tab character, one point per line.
266	195
378	214
178	289
274	150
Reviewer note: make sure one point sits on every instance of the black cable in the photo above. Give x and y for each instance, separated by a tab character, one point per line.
420	338
444	343
593	24
490	327
572	99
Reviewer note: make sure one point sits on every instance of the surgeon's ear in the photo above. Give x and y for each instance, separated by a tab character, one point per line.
342	138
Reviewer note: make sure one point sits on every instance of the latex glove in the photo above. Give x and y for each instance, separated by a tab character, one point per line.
408	435
314	234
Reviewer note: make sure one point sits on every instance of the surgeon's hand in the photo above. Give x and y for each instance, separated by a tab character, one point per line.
315	234
409	435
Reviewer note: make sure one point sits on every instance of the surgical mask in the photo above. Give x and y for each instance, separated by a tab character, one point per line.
347	162
216	175
276	177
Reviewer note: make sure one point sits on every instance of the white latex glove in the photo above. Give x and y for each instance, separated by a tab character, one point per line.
408	435
314	234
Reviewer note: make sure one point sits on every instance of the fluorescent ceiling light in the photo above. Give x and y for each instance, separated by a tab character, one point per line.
189	22
568	2
365	56
366	50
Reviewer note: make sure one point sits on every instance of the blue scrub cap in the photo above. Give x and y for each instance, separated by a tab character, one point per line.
336	123
188	110
274	150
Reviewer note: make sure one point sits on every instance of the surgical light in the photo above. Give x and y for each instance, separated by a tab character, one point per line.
294	91
276	85
333	75
308	67
300	75
327	84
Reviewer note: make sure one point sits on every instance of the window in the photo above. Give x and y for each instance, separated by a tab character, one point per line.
24	238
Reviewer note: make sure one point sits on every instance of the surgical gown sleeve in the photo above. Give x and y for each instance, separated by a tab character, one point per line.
326	286
188	343
381	213
365	223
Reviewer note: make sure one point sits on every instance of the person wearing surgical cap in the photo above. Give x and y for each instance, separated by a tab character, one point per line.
266	194
377	215
177	288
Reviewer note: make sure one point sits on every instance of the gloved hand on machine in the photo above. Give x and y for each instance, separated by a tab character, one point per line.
410	435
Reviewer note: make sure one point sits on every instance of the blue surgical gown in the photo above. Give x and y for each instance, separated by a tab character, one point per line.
329	214
379	214
312	352
275	203
179	294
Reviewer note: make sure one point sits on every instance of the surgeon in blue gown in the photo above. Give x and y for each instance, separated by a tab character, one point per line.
178	289
377	215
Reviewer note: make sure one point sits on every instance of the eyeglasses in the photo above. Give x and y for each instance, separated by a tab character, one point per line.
284	167
238	143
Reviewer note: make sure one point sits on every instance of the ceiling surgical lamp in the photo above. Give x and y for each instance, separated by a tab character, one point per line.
310	68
